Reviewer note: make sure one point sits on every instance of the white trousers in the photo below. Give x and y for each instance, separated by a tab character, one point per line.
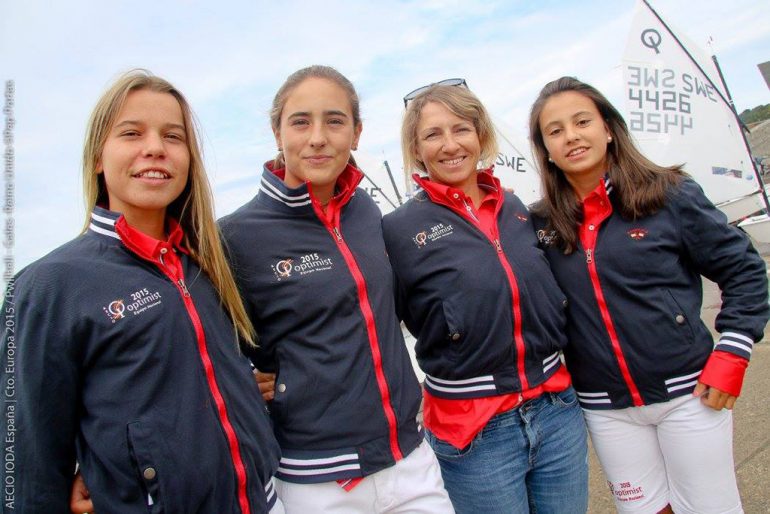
412	485
678	452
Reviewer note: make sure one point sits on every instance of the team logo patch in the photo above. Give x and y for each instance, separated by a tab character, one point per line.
521	217
435	233
283	268
547	237
637	233
306	264
141	301
115	310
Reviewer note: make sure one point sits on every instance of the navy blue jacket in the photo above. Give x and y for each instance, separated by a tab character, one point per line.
649	271
320	294
487	314
107	368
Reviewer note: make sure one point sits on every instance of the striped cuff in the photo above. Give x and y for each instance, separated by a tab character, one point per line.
733	342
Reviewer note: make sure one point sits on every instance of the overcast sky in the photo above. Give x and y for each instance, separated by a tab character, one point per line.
229	60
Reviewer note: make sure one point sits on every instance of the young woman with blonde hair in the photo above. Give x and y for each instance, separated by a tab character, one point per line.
477	293
628	241
125	346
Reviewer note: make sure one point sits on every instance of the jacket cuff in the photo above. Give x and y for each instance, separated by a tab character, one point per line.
735	343
724	371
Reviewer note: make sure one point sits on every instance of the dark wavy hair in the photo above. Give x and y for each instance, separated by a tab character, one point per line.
640	185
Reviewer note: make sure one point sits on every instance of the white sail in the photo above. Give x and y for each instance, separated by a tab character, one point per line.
378	183
678	114
514	165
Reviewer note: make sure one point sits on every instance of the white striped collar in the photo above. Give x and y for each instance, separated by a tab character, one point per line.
607	183
103	222
274	190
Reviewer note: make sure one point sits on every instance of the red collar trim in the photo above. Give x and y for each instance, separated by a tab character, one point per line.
597	206
148	247
345	186
442	193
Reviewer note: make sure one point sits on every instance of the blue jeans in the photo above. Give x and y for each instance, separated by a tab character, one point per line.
532	459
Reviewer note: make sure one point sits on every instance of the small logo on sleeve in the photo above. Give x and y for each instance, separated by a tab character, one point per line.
521	217
637	233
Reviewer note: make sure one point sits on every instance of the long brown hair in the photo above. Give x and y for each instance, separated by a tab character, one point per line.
193	209
295	79
641	185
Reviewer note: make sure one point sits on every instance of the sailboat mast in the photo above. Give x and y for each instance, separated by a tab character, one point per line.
743	130
393	182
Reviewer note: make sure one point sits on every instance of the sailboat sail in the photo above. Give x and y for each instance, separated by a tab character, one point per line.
678	112
378	183
513	165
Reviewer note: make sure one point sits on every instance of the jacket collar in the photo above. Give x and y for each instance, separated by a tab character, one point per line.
112	225
442	193
300	200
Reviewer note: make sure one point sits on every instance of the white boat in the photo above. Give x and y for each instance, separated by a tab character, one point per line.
757	227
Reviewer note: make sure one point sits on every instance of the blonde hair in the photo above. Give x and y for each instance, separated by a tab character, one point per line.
298	77
193	209
462	103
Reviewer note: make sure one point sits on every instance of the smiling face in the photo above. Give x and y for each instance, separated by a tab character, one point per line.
576	138
145	159
317	132
448	146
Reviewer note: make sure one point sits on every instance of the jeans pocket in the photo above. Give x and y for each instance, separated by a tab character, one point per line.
566	398
445	450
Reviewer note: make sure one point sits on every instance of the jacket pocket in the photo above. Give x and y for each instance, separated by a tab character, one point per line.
148	459
678	316
454	331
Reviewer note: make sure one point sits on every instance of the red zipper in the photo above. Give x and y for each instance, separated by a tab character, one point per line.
232	439
588	239
366	309
518	337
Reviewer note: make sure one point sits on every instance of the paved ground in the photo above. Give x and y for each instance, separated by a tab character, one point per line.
751	426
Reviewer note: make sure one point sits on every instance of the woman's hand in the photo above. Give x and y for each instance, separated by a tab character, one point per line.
266	383
713	397
80	498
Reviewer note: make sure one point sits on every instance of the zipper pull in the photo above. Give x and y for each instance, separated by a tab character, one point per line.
470	211
337	233
498	246
589	256
183	286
